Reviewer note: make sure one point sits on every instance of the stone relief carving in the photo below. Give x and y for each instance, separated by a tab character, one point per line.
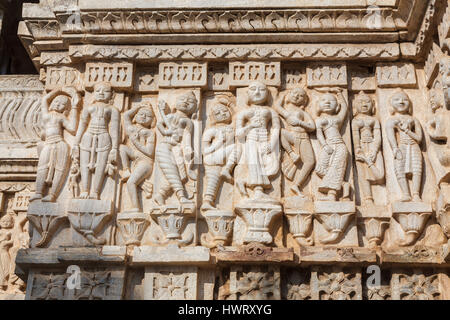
97	141
406	147
54	159
256	154
367	143
332	159
174	152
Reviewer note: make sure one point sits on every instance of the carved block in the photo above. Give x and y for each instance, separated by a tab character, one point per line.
394	75
431	66
413	285
296	284
58	77
243	73
46	217
146	80
170	283
183	74
293	75
254	283
334	283
119	75
326	75
362	80
218	77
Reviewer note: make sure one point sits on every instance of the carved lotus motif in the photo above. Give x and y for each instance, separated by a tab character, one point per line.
256	286
419	287
412	223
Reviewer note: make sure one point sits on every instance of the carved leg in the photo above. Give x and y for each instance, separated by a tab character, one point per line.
126	156
212	183
287	140
40	184
99	175
57	183
140	173
307	157
85	174
232	160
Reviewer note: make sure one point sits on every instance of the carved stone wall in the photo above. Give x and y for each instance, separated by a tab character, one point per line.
288	155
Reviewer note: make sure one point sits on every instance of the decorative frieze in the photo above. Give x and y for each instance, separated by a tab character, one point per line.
186	74
392	75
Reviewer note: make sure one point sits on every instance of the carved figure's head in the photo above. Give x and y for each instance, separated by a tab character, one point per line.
400	103
220	112
103	92
186	103
7	222
328	104
60	103
145	117
257	93
445	72
298	97
436	99
364	104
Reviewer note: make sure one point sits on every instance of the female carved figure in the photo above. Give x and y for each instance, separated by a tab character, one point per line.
295	138
141	151
367	141
405	146
97	141
260	153
175	153
55	156
6	242
333	157
220	153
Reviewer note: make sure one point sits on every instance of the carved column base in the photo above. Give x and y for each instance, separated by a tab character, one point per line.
46	218
336	223
412	217
376	221
220	227
258	217
443	209
88	217
132	226
172	220
300	225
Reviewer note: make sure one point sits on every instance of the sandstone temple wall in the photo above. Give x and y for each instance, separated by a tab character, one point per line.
248	150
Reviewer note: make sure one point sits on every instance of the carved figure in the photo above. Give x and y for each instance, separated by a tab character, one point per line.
405	146
174	152
367	141
55	155
138	124
220	153
333	156
260	151
6	242
97	141
295	138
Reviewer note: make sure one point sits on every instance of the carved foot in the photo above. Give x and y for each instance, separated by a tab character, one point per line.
242	189
207	205
159	200
296	190
125	174
416	197
95	240
36	196
49	198
303	241
226	175
84	195
405	198
332	238
94	195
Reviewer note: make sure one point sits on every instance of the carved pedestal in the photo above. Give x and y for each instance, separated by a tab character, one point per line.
412	217
258	217
220	227
335	223
132	226
88	217
46	218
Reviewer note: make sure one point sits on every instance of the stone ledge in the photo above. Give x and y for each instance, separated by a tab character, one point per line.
336	254
257	253
147	255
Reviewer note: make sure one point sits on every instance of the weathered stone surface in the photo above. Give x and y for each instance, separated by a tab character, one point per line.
228	150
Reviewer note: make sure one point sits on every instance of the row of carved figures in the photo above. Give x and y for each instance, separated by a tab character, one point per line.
251	144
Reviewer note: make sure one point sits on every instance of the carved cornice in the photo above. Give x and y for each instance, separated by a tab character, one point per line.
236	52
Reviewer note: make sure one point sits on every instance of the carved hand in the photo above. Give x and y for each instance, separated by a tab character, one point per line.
293	121
328	149
398	154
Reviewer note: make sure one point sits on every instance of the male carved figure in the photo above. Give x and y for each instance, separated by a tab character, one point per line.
333	157
295	139
260	152
141	151
175	153
55	155
407	153
220	153
367	140
97	141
